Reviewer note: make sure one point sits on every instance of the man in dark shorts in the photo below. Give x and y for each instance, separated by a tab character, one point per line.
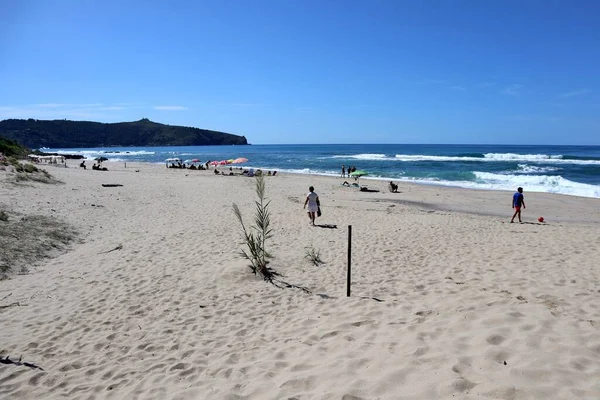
518	202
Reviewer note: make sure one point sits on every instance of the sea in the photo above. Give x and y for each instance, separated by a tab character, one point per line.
568	170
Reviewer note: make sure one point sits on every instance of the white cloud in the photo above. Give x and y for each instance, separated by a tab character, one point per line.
513	89
170	108
461	88
574	93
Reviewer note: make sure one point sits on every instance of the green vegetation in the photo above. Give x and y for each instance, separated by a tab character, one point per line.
11	148
256	236
313	255
63	133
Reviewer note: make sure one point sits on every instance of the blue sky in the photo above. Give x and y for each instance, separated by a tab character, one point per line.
490	72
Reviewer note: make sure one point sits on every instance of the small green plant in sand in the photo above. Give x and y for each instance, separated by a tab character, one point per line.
255	236
313	255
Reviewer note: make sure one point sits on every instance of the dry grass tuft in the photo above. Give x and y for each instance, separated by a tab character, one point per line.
27	172
25	240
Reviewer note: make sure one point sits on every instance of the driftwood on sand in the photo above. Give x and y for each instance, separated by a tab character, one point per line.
7	360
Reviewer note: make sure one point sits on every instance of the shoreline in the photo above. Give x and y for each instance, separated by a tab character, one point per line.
493	205
447	184
560	169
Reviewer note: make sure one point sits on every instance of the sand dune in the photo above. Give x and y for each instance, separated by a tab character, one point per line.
155	303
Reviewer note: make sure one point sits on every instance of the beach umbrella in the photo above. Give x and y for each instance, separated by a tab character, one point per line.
358	173
188	161
215	163
195	160
240	160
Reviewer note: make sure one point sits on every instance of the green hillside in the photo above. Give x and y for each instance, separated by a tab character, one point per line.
63	133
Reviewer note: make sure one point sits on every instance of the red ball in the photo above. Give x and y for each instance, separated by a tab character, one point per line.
541	219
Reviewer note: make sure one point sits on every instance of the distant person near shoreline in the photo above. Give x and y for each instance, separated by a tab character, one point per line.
518	202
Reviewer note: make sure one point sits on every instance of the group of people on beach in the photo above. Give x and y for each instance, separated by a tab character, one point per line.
96	167
350	170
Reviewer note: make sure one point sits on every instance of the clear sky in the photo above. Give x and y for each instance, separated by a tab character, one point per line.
290	71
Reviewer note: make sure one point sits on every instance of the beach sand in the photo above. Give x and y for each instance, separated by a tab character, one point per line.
154	301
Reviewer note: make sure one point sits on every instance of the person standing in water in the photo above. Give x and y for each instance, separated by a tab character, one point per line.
518	202
343	171
312	199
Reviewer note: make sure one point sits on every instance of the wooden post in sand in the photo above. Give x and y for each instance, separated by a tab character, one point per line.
348	283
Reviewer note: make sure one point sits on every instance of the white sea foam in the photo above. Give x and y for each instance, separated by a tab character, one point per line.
486	181
535	183
533	169
131	153
106	153
498	157
531	183
524	157
366	156
419	157
489	157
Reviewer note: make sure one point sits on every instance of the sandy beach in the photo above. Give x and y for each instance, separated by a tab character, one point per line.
153	301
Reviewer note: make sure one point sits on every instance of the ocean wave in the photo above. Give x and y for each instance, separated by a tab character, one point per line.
421	157
106	153
535	183
365	156
486	181
500	157
531	183
303	171
130	153
533	169
525	157
474	157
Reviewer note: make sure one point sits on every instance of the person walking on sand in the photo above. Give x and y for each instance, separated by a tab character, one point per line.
312	199
518	202
343	171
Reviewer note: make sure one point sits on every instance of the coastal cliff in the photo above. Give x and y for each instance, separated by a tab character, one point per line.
35	133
